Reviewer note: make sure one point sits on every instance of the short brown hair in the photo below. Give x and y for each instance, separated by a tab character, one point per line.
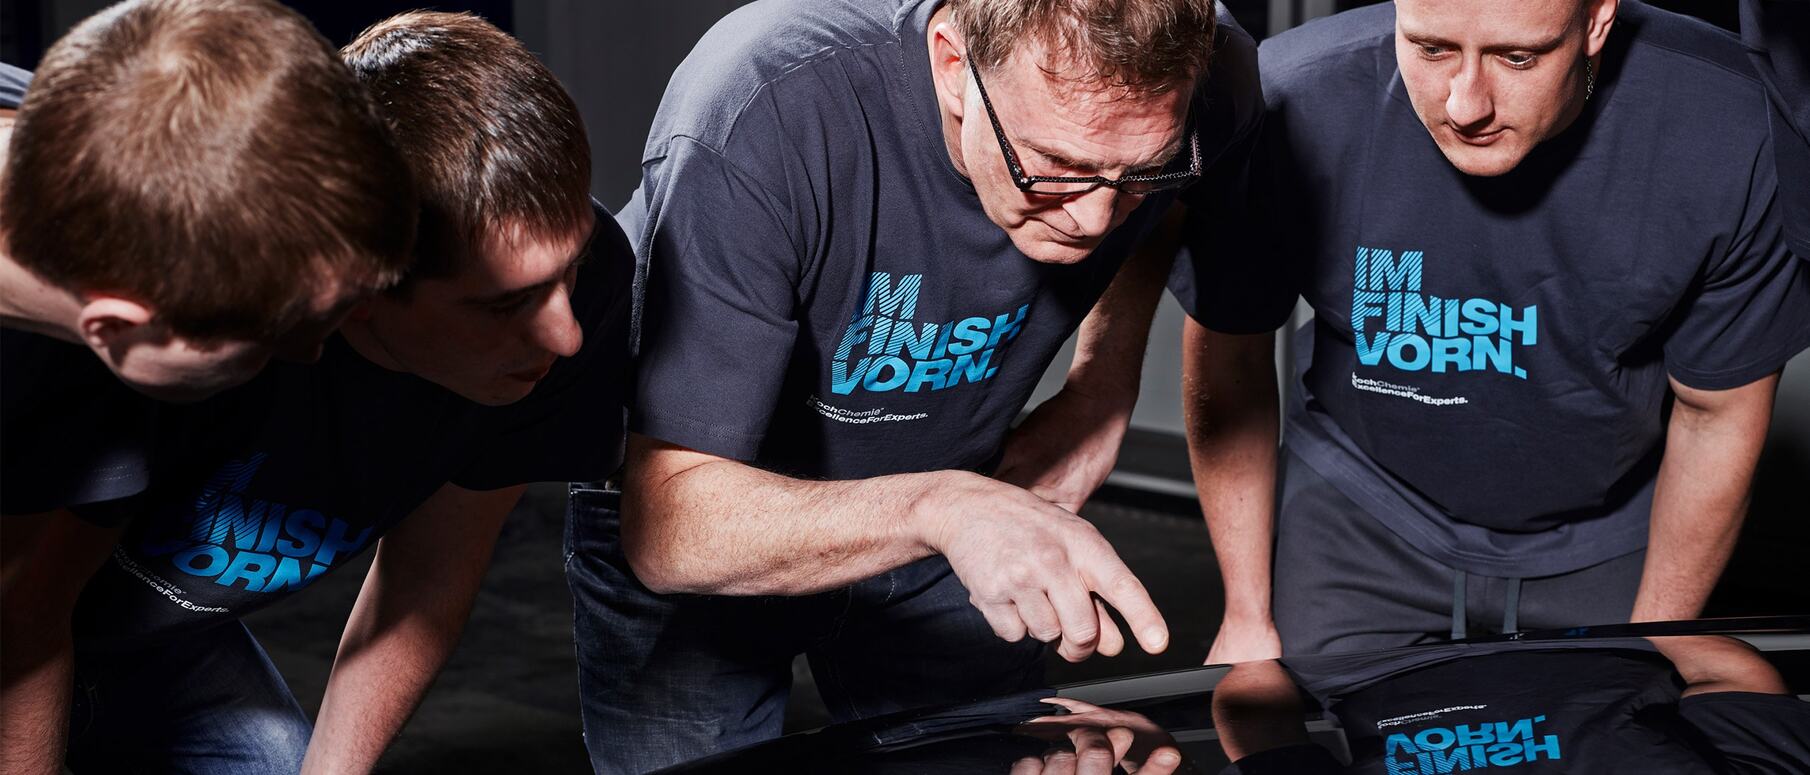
1144	45
497	147
211	158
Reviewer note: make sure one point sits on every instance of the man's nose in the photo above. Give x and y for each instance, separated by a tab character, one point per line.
555	328
1470	104
1093	211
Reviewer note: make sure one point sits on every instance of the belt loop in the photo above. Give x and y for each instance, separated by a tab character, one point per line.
1511	611
1458	617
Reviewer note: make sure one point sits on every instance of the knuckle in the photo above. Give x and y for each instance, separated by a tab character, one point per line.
1125	585
1049	556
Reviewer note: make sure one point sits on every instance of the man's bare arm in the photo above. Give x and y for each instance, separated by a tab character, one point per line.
408	617
694	522
1229	408
45	560
1068	445
1712	446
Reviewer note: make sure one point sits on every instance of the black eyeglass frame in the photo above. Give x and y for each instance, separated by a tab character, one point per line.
1147	184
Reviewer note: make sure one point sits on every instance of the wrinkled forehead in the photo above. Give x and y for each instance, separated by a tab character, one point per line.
1488	23
1038	85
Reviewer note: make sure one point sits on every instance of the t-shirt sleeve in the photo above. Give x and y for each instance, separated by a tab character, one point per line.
1750	311
719	317
1753	733
570	428
13	82
1777	34
1226	279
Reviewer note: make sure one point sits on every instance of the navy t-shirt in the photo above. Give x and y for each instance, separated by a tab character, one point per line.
261	489
1777	33
1489	356
72	436
824	295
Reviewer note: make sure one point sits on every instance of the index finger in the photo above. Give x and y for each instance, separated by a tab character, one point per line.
1120	589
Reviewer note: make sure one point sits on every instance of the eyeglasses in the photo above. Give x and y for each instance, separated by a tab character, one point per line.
1070	186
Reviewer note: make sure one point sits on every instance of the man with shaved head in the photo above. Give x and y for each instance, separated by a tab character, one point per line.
1545	247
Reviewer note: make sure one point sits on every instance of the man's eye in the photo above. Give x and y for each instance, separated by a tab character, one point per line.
1432	52
507	308
1519	61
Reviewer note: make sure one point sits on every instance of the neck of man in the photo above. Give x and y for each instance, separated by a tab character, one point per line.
368	343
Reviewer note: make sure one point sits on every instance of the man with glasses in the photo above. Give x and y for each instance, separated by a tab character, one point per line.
858	264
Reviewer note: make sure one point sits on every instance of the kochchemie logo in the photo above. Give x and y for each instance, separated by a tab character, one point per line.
1392	320
901	354
263	546
1468	747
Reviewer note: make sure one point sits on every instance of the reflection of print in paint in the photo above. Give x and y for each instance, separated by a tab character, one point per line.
1468	747
903	354
263	546
1392	320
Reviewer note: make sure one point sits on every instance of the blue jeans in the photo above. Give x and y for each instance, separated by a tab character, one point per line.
207	702
665	679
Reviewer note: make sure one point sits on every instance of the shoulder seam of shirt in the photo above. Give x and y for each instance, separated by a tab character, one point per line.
1358	46
1751	78
770	198
814	57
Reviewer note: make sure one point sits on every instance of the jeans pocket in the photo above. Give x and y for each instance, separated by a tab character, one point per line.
593	519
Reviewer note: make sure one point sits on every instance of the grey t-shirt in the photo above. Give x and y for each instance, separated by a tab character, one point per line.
824	295
1487	371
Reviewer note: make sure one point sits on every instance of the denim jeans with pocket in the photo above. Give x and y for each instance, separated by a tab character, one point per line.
668	678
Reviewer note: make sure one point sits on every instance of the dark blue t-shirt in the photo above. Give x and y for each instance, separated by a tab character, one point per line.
72	436
1777	33
824	295
262	489
1489	356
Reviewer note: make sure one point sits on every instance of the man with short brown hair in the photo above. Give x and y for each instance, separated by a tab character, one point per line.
868	228
189	187
398	439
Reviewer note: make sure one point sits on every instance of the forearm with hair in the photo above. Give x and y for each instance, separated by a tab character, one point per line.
698	523
1230	411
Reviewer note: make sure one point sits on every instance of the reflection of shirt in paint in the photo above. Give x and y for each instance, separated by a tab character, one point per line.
263	546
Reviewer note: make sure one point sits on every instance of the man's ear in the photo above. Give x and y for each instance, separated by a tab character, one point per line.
105	322
949	67
1599	18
